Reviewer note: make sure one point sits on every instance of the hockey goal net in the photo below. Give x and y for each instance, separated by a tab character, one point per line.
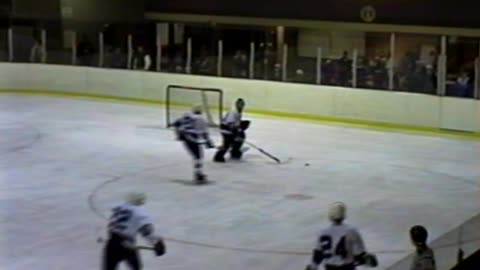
181	99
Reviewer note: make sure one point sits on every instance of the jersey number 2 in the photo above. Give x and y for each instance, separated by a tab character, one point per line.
340	249
120	218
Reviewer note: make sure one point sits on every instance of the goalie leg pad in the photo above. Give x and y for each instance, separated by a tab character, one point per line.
227	144
236	152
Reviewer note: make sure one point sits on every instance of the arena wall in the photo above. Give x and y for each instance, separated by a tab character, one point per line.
381	108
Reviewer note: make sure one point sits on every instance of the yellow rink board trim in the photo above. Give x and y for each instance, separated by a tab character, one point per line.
378	126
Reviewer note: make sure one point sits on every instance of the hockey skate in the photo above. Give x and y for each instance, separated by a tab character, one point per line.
200	178
219	159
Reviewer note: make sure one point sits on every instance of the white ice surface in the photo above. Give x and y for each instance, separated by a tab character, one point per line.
61	160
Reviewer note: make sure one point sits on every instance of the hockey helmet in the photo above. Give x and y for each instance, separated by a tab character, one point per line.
337	212
419	234
197	109
136	198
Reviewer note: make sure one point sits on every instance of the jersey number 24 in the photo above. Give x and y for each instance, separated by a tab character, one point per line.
327	248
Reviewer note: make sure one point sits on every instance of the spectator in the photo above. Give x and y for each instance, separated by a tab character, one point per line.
178	63
344	69
462	85
36	52
85	51
423	258
299	75
277	72
240	64
118	59
141	59
431	59
205	64
406	69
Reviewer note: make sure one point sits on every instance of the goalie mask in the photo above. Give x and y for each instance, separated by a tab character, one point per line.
240	105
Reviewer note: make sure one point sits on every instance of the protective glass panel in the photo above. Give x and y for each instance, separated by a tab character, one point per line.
301	58
3	44
461	56
416	63
116	46
373	61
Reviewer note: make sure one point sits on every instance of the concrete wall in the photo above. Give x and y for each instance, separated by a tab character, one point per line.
333	43
298	99
34	9
103	10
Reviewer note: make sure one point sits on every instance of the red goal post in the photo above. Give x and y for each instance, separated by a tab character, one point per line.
180	99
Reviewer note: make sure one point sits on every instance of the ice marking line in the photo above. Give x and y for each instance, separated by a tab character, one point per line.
96	211
37	137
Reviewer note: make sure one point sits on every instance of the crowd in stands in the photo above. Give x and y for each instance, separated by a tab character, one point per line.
412	73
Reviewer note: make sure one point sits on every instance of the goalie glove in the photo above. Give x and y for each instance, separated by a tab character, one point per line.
160	248
210	144
244	125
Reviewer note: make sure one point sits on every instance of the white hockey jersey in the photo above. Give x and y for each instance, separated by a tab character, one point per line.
126	220
231	120
340	244
192	127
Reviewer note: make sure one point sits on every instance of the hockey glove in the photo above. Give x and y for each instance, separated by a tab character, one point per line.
179	135
371	260
160	248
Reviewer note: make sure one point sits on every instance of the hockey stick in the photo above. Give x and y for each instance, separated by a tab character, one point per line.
460	253
263	152
144	248
100	240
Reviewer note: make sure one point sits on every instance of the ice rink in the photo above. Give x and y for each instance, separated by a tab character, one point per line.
65	162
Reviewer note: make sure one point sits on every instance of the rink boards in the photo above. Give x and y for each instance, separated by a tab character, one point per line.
383	109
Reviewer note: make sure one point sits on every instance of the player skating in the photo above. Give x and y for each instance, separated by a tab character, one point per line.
233	129
340	246
192	130
126	221
424	258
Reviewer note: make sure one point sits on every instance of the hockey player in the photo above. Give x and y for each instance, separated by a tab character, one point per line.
424	258
192	130
340	246
126	221
233	133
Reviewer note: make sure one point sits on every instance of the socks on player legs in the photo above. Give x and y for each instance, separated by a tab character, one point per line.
198	170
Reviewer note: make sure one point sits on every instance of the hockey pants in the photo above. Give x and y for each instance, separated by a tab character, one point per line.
115	253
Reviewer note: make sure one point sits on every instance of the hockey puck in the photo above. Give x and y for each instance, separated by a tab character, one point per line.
307	164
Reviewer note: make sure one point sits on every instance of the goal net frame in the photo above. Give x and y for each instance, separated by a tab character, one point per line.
204	103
